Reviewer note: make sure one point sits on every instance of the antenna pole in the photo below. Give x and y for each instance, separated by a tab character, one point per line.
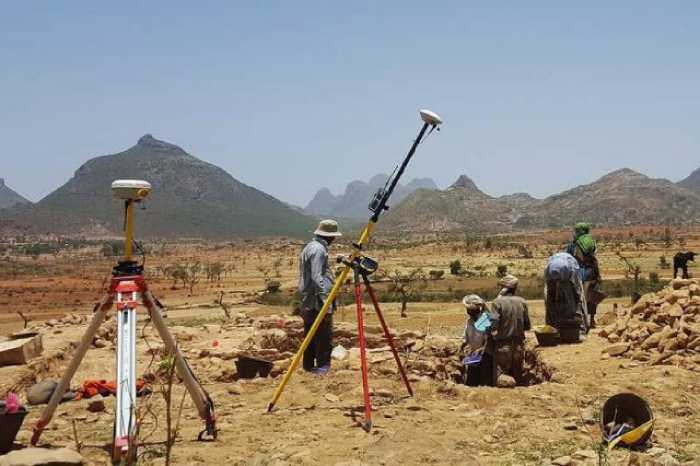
429	120
387	194
129	230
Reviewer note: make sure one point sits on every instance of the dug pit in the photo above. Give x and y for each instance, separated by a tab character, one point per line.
442	363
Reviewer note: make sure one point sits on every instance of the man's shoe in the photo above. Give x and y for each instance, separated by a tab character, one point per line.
323	370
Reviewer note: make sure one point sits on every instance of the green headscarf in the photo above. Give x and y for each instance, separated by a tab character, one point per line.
582	228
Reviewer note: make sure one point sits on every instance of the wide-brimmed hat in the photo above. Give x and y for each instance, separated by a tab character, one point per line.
328	228
509	281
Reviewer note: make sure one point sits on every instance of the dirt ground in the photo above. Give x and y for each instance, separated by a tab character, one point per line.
315	421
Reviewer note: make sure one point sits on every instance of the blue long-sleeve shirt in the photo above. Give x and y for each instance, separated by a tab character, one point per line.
315	275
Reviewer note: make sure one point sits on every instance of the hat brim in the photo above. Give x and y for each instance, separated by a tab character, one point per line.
327	234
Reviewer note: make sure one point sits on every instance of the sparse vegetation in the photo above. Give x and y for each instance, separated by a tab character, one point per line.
272	286
501	270
456	267
407	285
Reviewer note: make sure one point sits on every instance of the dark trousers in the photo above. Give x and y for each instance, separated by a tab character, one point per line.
588	286
509	359
482	373
318	354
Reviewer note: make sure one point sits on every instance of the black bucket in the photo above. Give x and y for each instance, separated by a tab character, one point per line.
547	339
9	426
249	368
623	406
570	334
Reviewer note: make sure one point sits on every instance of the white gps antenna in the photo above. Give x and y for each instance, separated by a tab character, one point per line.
131	190
430	118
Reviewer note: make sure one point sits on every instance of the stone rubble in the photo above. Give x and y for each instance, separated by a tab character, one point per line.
660	328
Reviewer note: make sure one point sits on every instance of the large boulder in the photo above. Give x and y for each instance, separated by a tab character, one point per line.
43	457
616	349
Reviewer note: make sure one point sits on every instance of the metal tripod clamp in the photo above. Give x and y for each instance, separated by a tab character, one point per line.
364	265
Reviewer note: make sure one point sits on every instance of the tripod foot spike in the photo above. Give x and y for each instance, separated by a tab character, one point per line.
36	432
270	407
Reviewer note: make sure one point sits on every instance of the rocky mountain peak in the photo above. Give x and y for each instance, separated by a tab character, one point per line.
353	202
623	174
147	141
692	182
8	197
192	199
377	181
464	182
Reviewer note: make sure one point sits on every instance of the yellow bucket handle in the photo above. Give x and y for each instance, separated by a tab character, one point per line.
632	436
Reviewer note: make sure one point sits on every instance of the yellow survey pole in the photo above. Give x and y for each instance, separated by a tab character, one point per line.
364	238
378	205
129	238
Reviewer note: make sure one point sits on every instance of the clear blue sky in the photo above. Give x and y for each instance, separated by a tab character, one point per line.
292	96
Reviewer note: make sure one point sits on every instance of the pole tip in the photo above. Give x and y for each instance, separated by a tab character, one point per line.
36	433
270	407
430	118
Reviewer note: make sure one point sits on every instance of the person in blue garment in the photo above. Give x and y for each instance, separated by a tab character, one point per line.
564	300
479	363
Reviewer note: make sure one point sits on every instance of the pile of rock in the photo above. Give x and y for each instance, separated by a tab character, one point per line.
66	321
660	328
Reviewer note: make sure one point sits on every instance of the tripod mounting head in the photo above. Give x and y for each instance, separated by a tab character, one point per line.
363	264
131	190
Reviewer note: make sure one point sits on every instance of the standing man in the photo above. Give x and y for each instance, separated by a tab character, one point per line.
583	248
510	319
315	283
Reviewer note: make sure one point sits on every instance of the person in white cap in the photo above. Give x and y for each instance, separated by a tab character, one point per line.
315	282
510	319
473	344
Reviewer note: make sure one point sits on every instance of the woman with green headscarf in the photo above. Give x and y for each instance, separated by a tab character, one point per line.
583	248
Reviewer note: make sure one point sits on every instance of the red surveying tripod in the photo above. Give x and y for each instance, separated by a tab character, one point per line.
128	289
362	267
377	206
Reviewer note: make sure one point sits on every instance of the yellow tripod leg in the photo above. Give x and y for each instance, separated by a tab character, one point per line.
317	323
129	238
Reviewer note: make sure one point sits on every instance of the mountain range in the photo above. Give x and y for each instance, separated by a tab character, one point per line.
190	198
623	197
353	202
195	199
8	197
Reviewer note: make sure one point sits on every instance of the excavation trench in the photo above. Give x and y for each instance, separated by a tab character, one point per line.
447	367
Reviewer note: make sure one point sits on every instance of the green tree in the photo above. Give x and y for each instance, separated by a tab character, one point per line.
501	270
456	267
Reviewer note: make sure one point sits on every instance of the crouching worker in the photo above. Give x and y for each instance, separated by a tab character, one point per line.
564	298
478	363
315	282
510	320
